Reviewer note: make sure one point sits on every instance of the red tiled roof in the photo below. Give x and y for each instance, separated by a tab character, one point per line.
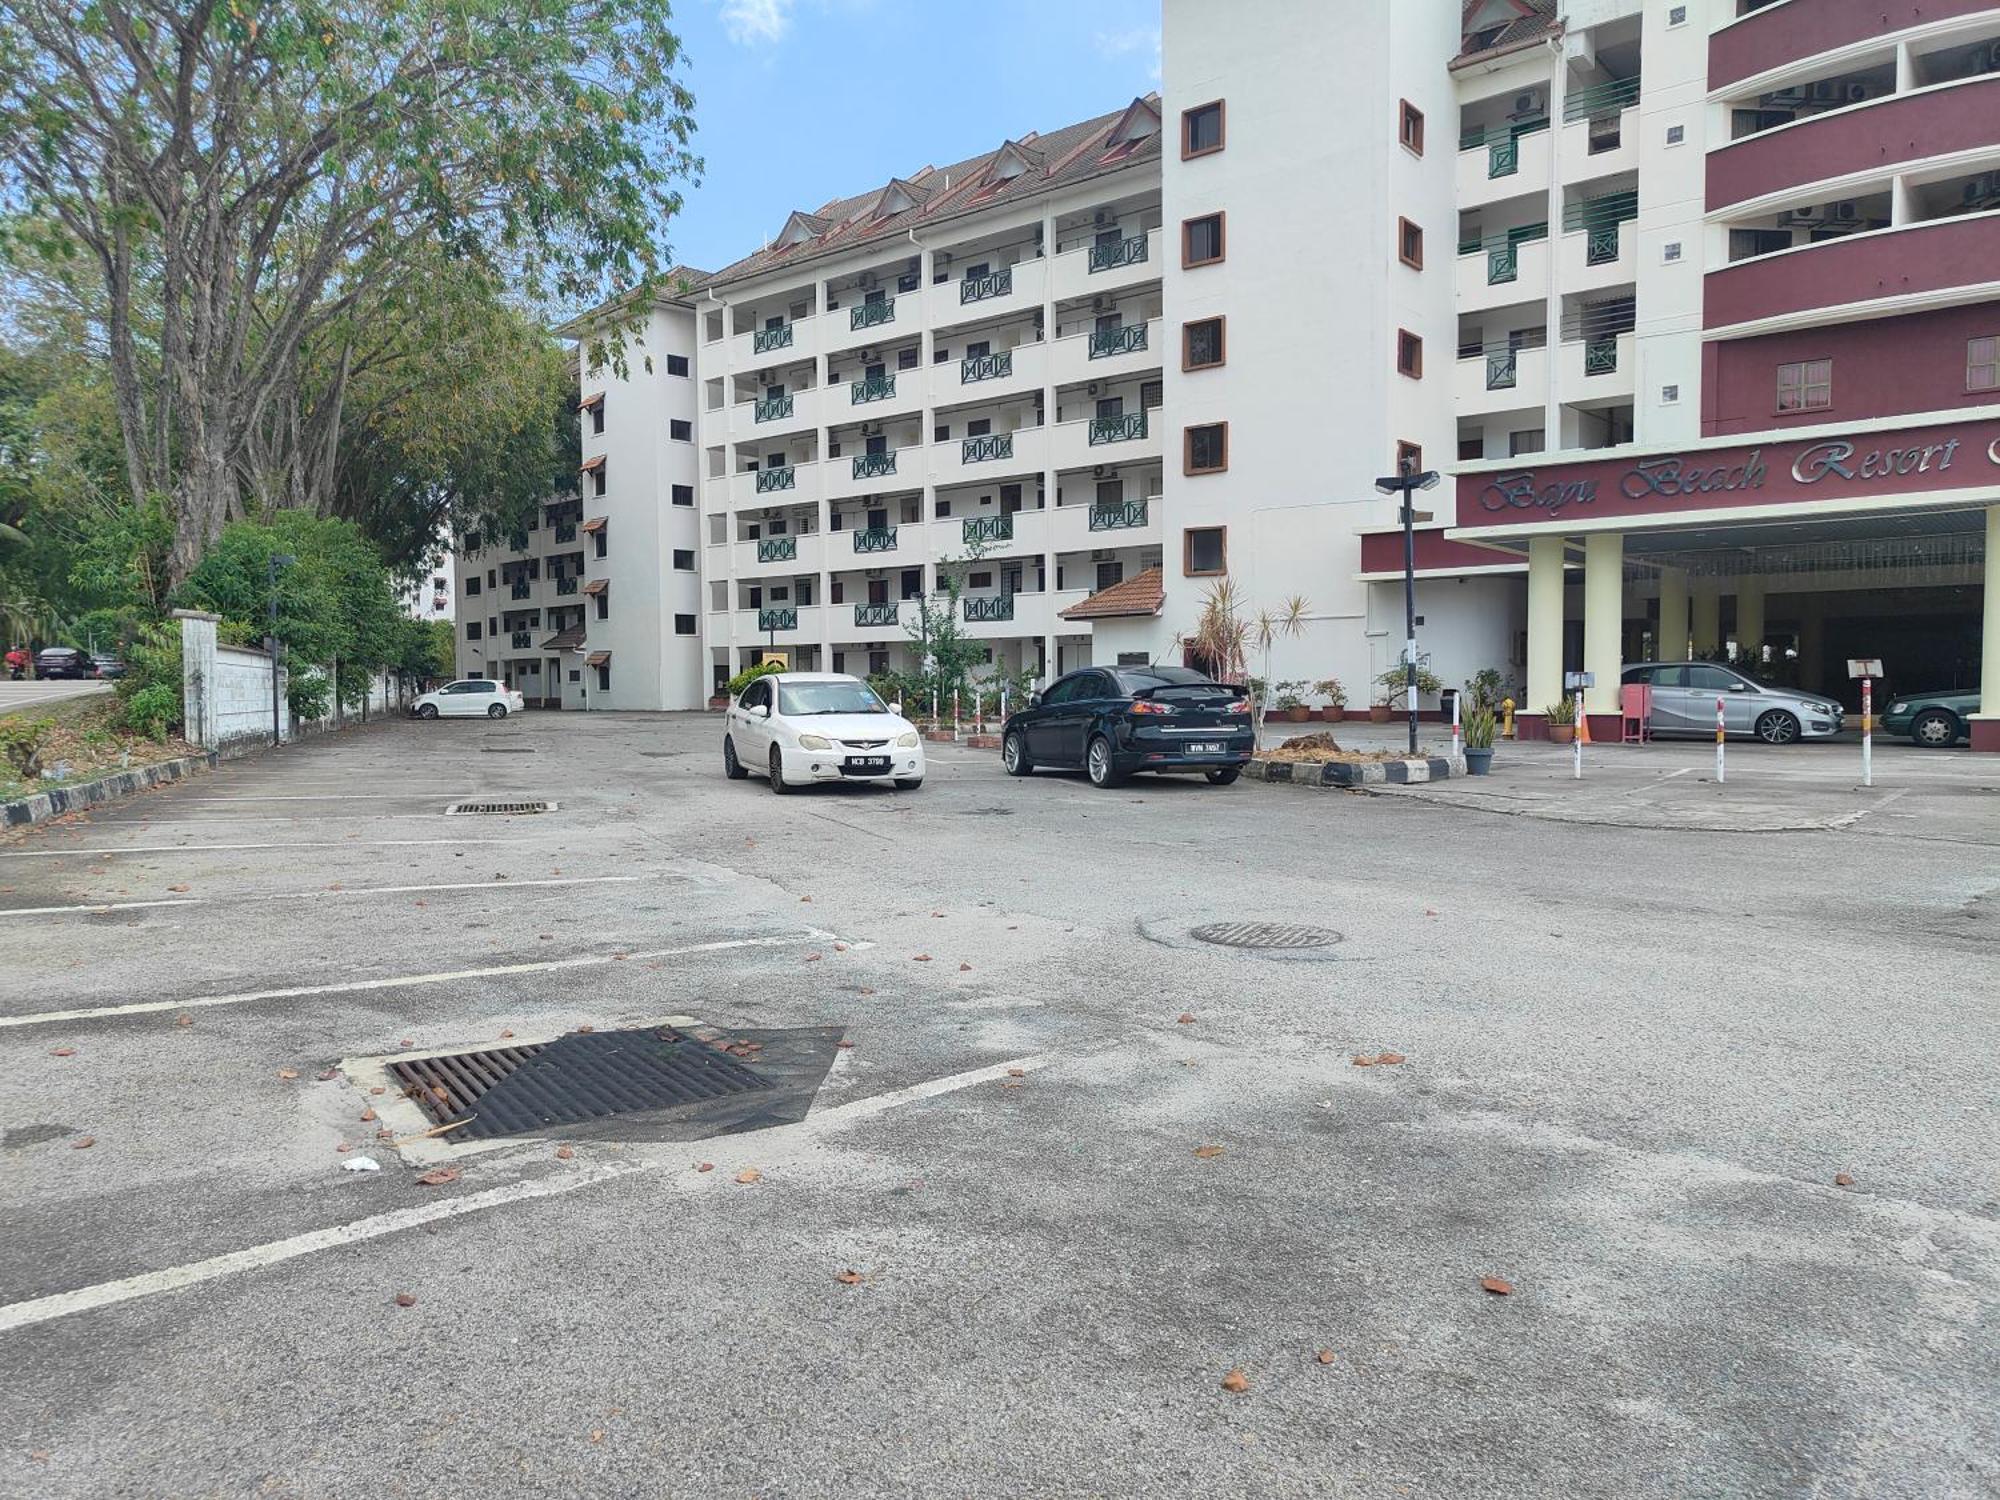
596	523
596	585
593	463
1143	594
565	640
598	658
1532	20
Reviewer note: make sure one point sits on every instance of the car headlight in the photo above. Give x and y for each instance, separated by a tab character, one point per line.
815	742
1899	708
907	741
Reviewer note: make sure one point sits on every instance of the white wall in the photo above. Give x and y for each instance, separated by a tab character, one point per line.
1468	624
1672	192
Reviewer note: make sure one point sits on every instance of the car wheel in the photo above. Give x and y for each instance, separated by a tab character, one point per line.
1777	728
427	710
910	785
1014	754
497	711
1097	762
778	772
731	766
1935	729
1224	775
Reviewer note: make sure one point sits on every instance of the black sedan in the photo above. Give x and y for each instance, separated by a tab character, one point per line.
63	661
1112	721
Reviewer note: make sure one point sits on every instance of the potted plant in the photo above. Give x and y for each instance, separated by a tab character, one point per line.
1392	689
1479	742
1560	716
1290	703
1336	699
1484	689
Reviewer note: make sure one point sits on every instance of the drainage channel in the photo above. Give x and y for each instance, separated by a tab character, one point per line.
508	809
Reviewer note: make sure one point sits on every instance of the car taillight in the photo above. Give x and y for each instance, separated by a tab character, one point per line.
1147	706
1240	706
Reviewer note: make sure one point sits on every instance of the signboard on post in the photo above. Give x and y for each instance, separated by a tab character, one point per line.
1864	666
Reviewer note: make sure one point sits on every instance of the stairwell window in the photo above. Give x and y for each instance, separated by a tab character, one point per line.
1410	129
1202	344
677	364
680	432
1201	241
1201	130
1205	551
1806	385
1409	354
1206	449
1982	364
1410	244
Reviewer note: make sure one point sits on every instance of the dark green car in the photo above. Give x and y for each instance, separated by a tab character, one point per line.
1933	720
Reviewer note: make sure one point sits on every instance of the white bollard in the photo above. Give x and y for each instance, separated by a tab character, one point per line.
1456	747
1868	731
1719	774
1576	739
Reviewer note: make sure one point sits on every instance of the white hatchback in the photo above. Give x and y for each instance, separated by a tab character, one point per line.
797	728
476	697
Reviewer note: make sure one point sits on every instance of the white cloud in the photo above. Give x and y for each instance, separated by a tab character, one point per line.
1144	39
750	22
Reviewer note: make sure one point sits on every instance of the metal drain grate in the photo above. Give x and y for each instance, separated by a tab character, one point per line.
1264	935
507	749
508	808
570	1081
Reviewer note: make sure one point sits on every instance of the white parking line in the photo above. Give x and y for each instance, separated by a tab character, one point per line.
767	1143
101	907
334	797
353	986
105	853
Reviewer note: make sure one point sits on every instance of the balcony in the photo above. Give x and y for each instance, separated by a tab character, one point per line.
984	531
777	549
981	609
565	531
568	585
522	640
522	588
770	480
800	482
1130	251
1503	161
1094	270
1512	266
1124	429
773	408
866	615
982	288
1501	379
875	539
872	314
987	448
995	366
774	556
1599	243
874	465
1872	137
783	617
1081	443
874	388
1597	368
1108	342
1118	517
1837	278
770	340
1781	34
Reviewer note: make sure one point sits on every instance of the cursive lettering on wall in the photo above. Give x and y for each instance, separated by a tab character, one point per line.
1837	459
1674	476
1520	492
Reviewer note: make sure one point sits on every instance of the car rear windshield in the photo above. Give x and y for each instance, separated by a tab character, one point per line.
799	698
1174	684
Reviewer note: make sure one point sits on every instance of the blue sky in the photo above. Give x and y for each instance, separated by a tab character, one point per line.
799	101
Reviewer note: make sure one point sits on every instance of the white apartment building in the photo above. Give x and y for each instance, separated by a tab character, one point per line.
1096	369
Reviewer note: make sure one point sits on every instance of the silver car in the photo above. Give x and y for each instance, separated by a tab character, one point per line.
1685	694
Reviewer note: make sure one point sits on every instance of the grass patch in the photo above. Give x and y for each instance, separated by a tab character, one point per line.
85	740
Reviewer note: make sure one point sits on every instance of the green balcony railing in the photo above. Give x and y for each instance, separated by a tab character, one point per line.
1110	341
1601	99
1601	248
1503	264
782	478
771	408
568	585
1605	210
979	530
1118	517
871	314
522	588
874	388
522	639
875	614
987	447
993	284
1503	158
1501	367
785	617
1600	356
1117	429
1505	240
1502	143
777	548
875	539
764	340
874	465
1125	252
986	367
987	608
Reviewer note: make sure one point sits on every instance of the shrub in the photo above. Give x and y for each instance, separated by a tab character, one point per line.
1393	683
1562	711
1485	688
1479	730
152	711
1331	690
308	695
149	693
748	675
21	742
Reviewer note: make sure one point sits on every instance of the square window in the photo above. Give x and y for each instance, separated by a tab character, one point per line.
1409	354
1982	364
1676	134
680	432
683	624
1670	395
1201	241
1201	130
472	630
1410	244
677	364
1677	15
1806	385
684	559
1670	251
1205	551
1206	449
1410	455
471	587
1410	128
597	483
683	494
1202	344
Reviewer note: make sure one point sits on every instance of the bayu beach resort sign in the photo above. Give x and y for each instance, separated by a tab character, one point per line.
1920	461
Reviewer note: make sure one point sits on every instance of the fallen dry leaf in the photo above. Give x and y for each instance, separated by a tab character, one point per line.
805	898
1843	1179
406	1042
505	1034
1236	1381
71	1052
1207	1152
564	1153
326	1075
1011	1083
1430	911
385	1135
439	1176
921	958
597	1434
184	1019
840	947
83	1143
1017	1072
937	913
176	887
1390	1059
706	1166
288	1072
965	968
404	1299
1186	1018
545	937
586	1027
378	1089
1325	1356
813	958
1363	1060
421	903
342	1147
1496	1286
849	1278
749	1174
367	1115
866	991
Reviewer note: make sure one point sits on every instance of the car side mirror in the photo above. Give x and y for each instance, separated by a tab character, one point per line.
763	710
1034	700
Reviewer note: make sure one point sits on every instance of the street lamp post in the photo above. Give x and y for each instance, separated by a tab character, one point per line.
276	561
1405	482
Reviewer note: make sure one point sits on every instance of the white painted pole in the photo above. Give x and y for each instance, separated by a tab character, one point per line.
1719	774
1576	738
1868	731
1456	747
954	712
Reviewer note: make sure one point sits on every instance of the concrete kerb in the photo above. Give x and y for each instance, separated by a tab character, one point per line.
1338	775
39	807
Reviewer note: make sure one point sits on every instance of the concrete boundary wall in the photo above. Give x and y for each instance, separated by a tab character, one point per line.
226	691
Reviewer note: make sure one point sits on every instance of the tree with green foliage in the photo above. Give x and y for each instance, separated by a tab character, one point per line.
243	182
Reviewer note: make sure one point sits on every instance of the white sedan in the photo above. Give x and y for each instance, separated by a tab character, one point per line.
797	728
476	697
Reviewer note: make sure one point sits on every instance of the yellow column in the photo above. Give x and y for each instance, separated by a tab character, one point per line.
1750	618
1673	642
1705	614
1603	618
1985	723
1545	623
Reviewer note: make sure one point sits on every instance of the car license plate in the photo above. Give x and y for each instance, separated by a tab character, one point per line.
867	762
1206	747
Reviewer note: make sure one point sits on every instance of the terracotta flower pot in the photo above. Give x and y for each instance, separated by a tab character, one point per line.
1378	713
1333	715
1298	714
1562	734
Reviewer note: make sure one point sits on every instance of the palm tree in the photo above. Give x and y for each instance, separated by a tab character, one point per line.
1224	640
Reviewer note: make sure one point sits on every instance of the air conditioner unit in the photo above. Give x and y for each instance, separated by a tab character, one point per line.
877	573
1098	471
1103	218
1784	99
1828	93
1847	212
1856	92
1102	554
1529	104
871	429
1100	304
1092	389
1802	218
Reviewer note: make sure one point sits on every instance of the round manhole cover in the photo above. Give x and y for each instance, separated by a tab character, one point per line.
1263	935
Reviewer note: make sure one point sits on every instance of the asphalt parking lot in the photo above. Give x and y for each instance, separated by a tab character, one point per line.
1634	1061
